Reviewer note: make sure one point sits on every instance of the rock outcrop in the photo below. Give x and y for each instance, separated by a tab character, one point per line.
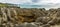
13	17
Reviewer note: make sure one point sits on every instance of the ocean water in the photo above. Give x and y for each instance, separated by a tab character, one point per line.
47	7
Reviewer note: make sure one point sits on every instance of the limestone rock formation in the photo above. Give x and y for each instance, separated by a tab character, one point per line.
13	17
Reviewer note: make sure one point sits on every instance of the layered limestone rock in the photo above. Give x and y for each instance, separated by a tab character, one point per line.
13	17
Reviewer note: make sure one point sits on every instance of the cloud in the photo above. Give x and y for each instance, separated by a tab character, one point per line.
41	3
31	1
45	3
15	1
37	2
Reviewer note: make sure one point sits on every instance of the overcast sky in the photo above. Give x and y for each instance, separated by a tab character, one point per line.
31	1
44	3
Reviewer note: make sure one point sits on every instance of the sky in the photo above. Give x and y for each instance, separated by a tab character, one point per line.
35	3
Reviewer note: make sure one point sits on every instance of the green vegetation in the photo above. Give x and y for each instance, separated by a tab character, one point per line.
8	5
3	5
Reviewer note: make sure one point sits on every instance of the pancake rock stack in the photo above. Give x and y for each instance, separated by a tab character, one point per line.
29	17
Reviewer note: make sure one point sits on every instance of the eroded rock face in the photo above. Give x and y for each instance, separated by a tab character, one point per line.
27	25
43	20
15	17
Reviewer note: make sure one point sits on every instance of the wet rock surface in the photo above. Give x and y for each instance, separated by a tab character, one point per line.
25	17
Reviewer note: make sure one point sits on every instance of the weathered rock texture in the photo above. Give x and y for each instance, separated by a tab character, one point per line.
13	17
